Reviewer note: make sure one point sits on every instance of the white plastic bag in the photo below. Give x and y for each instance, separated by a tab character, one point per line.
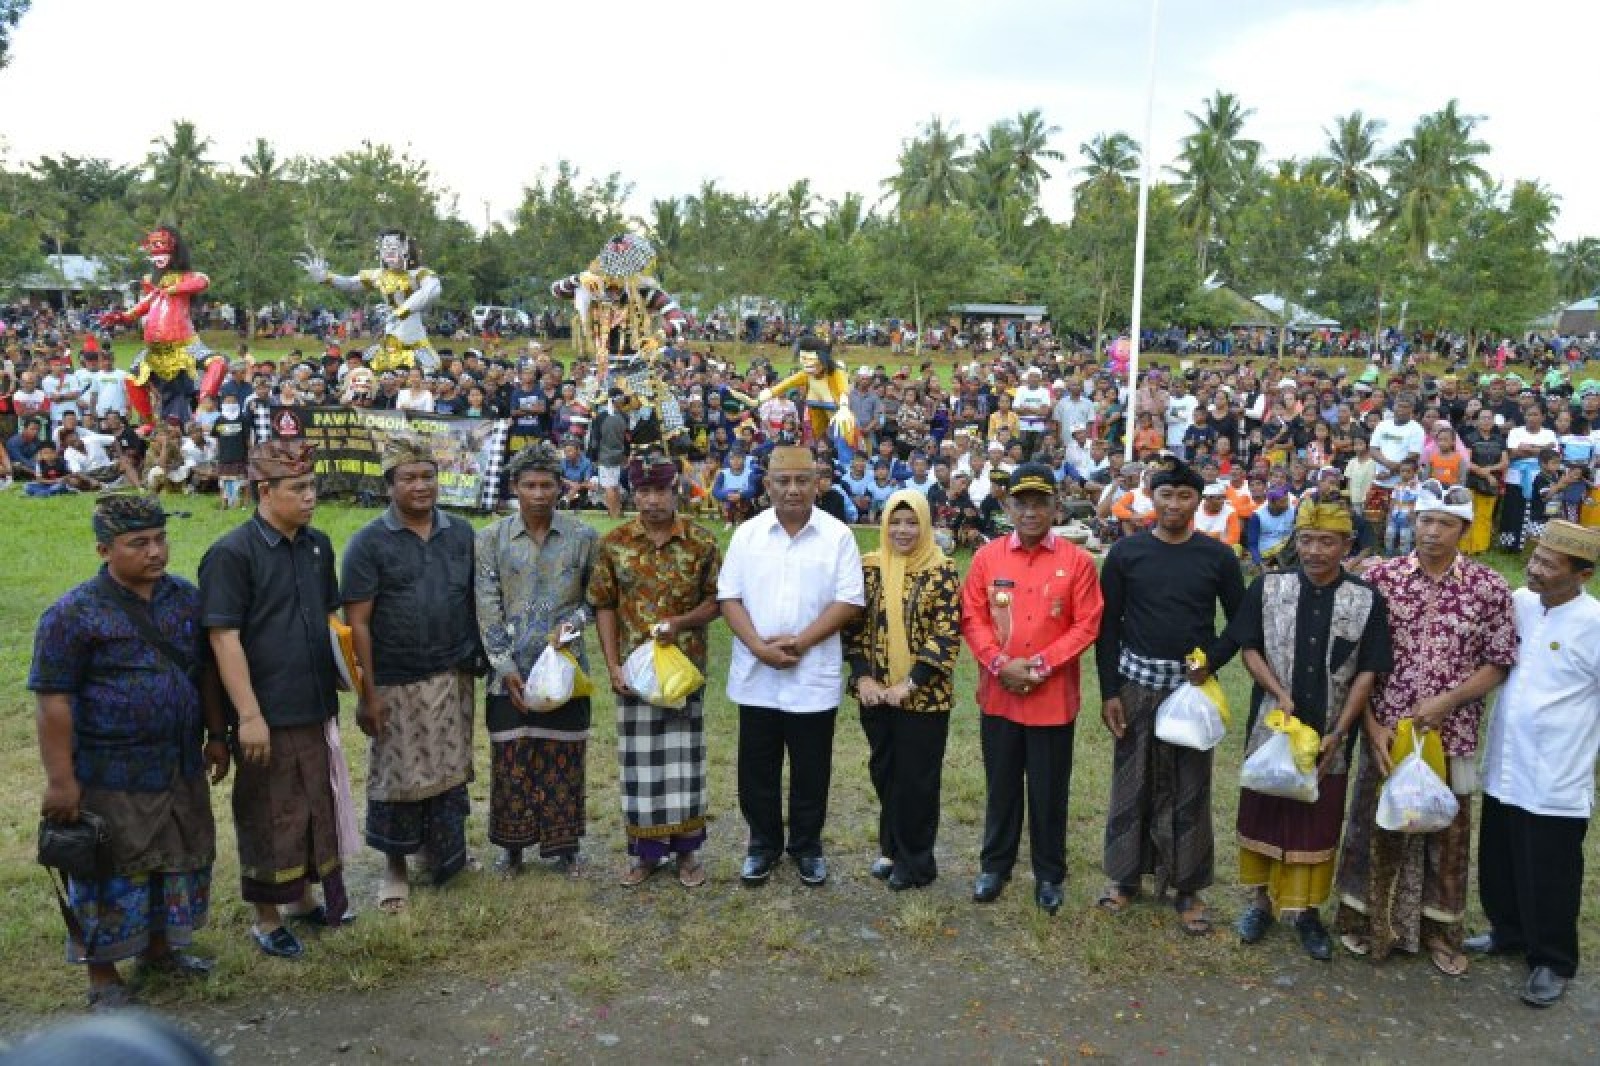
640	671
1414	799
1189	719
1271	771
551	681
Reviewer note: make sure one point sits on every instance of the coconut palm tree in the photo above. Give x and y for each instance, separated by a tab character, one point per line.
932	169
262	163
178	168
846	218
1030	143
1111	159
1215	163
665	229
1426	170
797	206
1205	173
992	176
1578	268
1349	154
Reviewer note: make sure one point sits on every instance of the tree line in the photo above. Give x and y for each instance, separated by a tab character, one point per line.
1363	232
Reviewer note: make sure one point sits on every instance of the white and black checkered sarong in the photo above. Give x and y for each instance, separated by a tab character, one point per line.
662	757
1151	673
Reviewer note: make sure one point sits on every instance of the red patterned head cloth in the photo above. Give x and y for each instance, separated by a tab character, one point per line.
276	459
654	473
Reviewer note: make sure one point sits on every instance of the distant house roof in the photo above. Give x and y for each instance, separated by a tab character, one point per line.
1007	310
1299	317
71	273
1581	317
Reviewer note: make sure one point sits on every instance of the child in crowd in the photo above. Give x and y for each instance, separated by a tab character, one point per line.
1402	505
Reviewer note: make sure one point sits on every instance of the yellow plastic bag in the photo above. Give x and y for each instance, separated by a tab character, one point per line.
1432	748
676	677
347	668
1303	740
1212	688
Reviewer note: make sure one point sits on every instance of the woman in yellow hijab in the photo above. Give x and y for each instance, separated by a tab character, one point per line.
902	654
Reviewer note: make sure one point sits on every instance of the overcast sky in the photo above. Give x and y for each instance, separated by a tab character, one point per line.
755	95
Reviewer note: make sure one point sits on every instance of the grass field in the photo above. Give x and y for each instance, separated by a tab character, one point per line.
601	936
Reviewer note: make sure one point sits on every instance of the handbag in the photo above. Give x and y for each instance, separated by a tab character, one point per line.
78	850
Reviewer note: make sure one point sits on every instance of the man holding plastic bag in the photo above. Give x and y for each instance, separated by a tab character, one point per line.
1538	767
1454	641
1314	640
532	569
654	592
1162	589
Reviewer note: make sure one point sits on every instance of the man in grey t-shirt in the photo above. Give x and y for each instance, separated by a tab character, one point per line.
608	447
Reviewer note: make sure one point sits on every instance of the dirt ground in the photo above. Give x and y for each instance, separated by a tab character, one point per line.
862	994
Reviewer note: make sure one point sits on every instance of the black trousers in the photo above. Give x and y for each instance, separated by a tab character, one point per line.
907	758
1530	879
765	734
1039	756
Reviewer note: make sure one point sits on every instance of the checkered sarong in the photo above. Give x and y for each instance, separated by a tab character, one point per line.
495	456
1151	673
662	757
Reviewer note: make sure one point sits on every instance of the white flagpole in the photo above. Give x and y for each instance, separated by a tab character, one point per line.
1130	416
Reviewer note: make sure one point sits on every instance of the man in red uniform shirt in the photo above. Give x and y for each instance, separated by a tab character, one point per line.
1030	606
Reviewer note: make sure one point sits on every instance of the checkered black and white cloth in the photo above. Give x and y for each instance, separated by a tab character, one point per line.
494	463
663	761
1152	673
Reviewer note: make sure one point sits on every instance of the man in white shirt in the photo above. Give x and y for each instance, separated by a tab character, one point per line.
65	387
790	581
1073	410
108	390
1538	767
1032	403
1075	453
1397	438
1180	414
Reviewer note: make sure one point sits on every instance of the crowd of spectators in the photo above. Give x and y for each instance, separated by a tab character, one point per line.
1509	423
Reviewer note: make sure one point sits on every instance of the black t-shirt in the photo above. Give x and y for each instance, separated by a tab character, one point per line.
278	594
233	439
1161	601
132	444
421	592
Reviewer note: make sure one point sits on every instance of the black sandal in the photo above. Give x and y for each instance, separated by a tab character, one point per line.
280	943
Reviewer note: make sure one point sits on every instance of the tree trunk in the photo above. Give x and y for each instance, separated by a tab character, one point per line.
916	314
1100	326
250	325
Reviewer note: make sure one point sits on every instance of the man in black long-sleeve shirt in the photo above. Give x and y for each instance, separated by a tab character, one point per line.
1161	592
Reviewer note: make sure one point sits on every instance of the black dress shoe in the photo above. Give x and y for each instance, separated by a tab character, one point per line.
1253	924
813	869
1047	894
899	882
1314	936
988	886
882	868
1544	987
756	870
1489	944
